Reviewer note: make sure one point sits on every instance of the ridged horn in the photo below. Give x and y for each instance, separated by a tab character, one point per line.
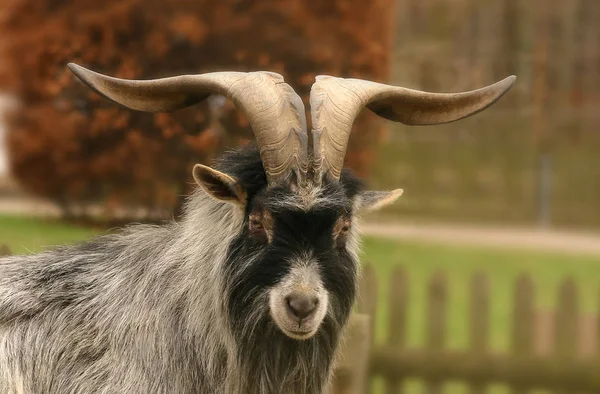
275	112
335	103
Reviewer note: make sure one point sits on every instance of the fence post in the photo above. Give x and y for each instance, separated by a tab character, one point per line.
436	313
523	312
398	309
352	368
367	304
479	327
597	350
4	251
566	323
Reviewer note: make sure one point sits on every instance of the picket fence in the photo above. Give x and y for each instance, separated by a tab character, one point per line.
522	368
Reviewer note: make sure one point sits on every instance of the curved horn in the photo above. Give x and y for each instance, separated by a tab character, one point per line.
335	103
275	112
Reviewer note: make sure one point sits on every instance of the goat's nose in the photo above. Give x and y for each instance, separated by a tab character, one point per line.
301	305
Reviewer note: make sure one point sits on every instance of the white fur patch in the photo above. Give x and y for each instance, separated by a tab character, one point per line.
303	278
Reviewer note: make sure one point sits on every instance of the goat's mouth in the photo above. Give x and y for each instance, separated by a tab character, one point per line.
300	335
294	328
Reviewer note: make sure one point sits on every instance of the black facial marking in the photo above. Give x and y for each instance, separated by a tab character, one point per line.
255	265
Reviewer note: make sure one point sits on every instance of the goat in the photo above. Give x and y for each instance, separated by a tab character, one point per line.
251	291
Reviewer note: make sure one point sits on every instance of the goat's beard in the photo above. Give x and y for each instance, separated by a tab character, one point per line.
272	362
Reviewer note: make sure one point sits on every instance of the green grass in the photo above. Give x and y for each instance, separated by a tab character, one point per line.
420	261
28	235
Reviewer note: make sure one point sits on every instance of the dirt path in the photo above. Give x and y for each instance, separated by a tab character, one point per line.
20	205
549	240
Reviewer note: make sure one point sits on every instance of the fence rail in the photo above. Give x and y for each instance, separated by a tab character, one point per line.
521	372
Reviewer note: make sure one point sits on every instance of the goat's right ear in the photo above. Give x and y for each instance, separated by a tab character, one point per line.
218	185
373	200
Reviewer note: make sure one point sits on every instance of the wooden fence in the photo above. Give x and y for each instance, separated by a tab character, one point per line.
532	156
521	368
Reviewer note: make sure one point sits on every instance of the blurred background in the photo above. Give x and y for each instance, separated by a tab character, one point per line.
502	207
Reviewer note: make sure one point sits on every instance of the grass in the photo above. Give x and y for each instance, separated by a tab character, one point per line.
420	261
28	235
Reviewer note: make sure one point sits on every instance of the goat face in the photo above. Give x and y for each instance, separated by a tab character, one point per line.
293	266
294	263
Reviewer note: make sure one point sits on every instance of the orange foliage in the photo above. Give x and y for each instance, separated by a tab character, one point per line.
68	144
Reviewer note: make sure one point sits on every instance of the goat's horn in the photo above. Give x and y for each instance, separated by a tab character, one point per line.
275	112
335	103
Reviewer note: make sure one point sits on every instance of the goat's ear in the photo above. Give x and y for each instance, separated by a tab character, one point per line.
373	200
218	185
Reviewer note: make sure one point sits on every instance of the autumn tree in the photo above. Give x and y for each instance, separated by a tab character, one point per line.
68	144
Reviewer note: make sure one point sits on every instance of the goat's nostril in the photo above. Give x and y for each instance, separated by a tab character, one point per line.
302	306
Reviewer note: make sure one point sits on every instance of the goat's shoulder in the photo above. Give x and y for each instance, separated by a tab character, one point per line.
72	274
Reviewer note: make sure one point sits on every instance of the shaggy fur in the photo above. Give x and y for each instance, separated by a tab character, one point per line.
184	307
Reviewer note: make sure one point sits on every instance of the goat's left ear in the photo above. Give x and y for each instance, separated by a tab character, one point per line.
219	185
373	200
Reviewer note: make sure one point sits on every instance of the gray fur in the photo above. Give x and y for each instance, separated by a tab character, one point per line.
143	312
139	311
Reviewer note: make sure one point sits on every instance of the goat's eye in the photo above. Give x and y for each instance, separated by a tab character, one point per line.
257	229
344	227
341	233
255	224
